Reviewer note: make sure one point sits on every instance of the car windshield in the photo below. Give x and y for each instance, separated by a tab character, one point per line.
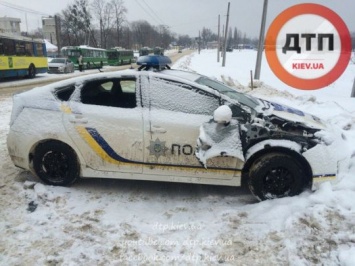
58	60
223	89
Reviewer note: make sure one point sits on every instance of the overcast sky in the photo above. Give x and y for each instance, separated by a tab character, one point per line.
185	16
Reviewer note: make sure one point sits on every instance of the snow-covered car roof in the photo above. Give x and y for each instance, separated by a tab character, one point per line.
191	76
182	76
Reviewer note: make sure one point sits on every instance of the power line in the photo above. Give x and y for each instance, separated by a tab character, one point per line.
23	9
162	22
148	13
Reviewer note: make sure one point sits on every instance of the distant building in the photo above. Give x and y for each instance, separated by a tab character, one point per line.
49	30
212	45
10	25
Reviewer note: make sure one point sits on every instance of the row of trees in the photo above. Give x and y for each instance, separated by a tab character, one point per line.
234	38
103	23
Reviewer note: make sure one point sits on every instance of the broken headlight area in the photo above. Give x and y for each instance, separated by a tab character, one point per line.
219	139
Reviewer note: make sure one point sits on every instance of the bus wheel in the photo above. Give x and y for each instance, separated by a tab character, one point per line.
88	65
102	64
31	71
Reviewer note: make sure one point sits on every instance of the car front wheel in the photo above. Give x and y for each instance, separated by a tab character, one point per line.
277	175
56	163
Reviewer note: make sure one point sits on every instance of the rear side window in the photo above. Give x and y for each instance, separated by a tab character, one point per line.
64	93
110	92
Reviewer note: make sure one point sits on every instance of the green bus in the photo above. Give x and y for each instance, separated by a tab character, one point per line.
158	50
22	56
118	56
92	57
145	51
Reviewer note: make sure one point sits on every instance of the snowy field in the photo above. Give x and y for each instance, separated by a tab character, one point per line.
118	222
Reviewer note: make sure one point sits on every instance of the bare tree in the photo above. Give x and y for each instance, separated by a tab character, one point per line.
164	37
119	12
143	33
77	23
104	14
207	35
230	38
184	40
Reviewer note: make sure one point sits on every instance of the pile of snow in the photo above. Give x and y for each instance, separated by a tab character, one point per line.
51	48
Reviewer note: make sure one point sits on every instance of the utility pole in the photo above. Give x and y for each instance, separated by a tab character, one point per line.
26	24
261	42
219	41
225	38
57	33
222	43
199	42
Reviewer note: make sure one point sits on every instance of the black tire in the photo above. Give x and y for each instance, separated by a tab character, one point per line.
55	163
31	71
277	175
88	66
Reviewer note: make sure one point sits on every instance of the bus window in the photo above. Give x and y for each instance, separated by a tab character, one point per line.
9	47
1	47
29	48
20	48
39	49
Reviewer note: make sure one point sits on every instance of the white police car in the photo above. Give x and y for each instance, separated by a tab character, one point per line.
145	125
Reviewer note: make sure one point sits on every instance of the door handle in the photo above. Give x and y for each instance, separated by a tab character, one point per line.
157	129
78	119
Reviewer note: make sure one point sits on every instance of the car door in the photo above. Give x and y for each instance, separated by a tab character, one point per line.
171	128
104	120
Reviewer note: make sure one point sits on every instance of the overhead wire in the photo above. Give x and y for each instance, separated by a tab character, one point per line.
23	9
148	13
162	22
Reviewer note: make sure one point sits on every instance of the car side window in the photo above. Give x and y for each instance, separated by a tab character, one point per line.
110	92
181	97
65	92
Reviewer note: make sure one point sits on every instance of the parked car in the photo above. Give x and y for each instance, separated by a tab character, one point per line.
144	125
60	65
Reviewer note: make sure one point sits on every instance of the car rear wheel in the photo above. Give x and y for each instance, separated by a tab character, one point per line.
277	175
56	163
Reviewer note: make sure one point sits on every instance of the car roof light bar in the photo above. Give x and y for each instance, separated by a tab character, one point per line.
155	62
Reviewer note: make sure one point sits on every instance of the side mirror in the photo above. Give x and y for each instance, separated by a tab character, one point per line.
222	115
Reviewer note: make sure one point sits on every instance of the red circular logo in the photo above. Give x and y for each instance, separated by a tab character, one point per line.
308	46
